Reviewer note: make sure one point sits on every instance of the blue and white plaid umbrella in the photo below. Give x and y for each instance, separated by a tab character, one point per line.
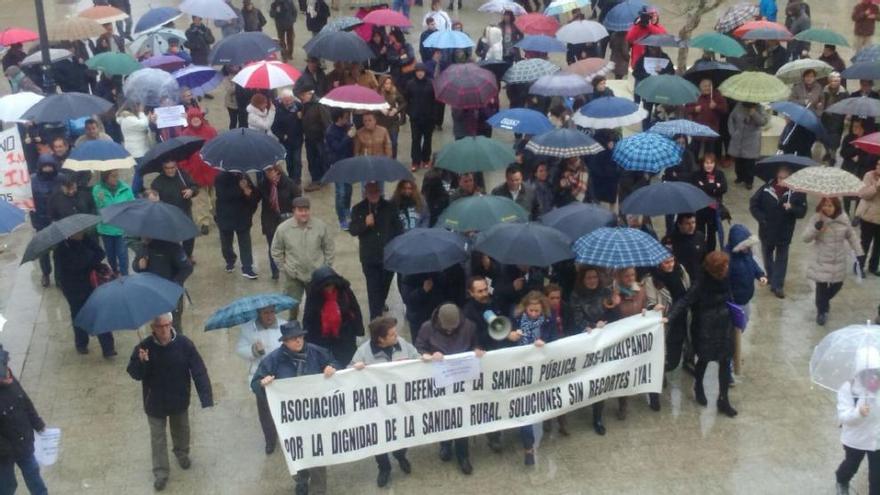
622	16
609	112
522	120
245	309
541	43
561	84
448	39
672	128
200	79
529	70
564	143
619	247
869	53
343	23
99	156
646	152
11	217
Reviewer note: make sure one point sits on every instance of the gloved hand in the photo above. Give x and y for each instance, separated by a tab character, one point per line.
819	225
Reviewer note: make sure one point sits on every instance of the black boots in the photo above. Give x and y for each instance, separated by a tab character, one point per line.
598	425
654	401
725	408
700	394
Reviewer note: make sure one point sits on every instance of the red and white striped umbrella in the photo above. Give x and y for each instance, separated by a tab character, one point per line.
354	97
266	75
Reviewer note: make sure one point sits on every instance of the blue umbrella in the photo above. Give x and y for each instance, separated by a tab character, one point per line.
99	156
200	79
801	116
622	16
619	247
646	152
522	120
609	112
421	250
578	219
869	53
530	243
561	84
665	198
126	303
448	39
242	48
768	167
245	309
541	43
11	217
156	18
365	169
671	128
242	150
563	143
862	70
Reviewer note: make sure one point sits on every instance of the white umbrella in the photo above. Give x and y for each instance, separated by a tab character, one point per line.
155	42
55	54
210	9
499	6
13	106
582	32
842	354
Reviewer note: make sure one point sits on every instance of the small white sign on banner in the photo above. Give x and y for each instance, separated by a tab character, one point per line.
453	370
170	116
46	446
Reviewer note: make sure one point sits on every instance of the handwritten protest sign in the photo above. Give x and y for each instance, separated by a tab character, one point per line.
15	181
360	413
170	116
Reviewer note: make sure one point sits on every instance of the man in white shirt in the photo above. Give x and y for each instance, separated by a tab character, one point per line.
441	18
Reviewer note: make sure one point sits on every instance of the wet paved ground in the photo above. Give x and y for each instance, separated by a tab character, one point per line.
785	439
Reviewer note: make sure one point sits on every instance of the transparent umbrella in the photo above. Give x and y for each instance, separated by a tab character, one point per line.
152	87
841	355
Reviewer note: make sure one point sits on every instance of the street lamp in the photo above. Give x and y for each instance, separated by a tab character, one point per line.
48	83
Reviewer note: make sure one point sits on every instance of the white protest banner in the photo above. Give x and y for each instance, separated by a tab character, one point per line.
15	180
360	413
170	116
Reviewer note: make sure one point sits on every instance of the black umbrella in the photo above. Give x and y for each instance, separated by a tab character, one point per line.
862	70
661	40
179	148
366	169
340	46
718	72
497	67
666	198
241	48
126	303
862	106
152	219
422	250
529	244
578	219
56	232
242	150
768	167
66	106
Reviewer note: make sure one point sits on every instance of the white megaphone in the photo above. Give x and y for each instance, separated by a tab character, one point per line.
499	326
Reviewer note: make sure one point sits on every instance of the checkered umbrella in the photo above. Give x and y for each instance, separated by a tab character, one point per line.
736	16
619	247
671	128
825	181
528	71
245	309
646	152
564	143
466	86
622	15
343	23
754	87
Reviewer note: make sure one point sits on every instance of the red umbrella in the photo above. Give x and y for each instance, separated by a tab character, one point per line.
387	17
869	143
752	25
465	86
355	97
266	75
14	35
537	24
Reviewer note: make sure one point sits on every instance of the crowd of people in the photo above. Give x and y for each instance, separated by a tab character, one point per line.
707	266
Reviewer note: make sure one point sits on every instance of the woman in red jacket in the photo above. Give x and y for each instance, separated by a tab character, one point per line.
201	172
648	23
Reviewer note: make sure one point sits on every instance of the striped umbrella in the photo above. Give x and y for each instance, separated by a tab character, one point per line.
619	247
646	152
672	128
466	86
266	75
528	71
355	97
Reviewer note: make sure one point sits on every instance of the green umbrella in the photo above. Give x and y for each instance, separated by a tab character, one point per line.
793	72
824	36
718	43
478	213
474	154
754	87
666	89
114	64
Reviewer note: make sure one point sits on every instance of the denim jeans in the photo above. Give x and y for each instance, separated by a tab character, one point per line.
343	201
294	162
30	471
775	263
394	136
316	157
401	6
117	253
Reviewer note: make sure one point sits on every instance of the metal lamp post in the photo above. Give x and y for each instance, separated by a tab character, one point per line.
48	83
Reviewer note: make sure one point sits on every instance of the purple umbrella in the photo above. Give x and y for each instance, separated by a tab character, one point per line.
199	78
168	63
465	86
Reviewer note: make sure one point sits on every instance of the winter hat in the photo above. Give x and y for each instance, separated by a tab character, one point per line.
290	330
448	316
301	202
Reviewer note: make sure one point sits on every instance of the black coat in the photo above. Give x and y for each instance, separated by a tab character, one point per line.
18	420
169	189
287	191
165	378
506	295
473	311
71	76
165	259
62	205
689	250
235	211
714	190
73	261
419	94
526	198
711	325
284	13
420	305
855	160
373	239
775	223
287	126
343	347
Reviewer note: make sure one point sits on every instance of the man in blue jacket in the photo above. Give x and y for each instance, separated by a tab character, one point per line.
296	358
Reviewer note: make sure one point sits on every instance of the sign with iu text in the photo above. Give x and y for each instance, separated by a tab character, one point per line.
15	181
360	413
